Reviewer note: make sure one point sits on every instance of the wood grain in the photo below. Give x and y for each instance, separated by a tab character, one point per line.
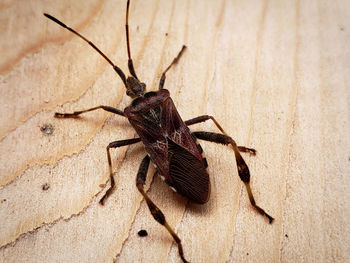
276	76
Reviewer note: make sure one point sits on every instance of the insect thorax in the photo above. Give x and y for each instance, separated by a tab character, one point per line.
154	115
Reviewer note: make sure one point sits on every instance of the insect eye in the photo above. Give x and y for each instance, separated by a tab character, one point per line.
129	93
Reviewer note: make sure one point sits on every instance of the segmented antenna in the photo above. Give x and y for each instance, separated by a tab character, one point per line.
130	63
115	67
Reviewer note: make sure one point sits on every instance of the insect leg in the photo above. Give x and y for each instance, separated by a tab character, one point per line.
155	211
115	144
175	60
242	167
76	113
204	118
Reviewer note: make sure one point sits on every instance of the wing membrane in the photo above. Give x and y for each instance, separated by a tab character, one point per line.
188	174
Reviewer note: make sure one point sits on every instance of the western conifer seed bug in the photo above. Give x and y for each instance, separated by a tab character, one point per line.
169	143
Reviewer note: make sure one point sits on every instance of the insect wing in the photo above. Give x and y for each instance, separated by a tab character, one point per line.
187	171
177	130
171	146
188	174
154	141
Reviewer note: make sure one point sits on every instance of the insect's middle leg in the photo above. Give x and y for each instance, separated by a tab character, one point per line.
162	79
77	113
242	167
115	144
204	118
155	211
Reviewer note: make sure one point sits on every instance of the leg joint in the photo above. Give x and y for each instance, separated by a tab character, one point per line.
156	213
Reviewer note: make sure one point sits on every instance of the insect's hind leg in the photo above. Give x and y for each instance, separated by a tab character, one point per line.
242	167
77	113
175	60
155	211
115	144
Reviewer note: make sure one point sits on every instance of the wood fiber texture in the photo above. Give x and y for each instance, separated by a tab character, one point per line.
274	74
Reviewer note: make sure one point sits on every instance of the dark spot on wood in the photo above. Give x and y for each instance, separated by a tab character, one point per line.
45	187
47	129
142	233
286	235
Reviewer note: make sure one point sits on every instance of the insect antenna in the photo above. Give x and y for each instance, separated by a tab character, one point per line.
115	67
130	63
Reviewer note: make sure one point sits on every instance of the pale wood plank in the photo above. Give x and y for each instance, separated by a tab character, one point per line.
274	74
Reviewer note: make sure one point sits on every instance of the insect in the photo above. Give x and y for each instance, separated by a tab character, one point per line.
168	141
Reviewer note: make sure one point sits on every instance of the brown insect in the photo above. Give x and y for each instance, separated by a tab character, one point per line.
169	143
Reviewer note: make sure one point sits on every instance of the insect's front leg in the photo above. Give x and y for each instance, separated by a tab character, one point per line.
77	113
242	167
176	59
115	144
155	211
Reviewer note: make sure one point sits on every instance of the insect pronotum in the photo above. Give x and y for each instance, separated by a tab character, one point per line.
169	143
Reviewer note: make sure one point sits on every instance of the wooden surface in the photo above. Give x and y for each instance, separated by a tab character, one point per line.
275	74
